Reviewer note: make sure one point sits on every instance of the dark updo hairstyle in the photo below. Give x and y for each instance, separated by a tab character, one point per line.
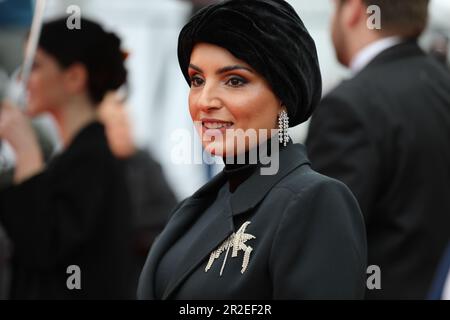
99	51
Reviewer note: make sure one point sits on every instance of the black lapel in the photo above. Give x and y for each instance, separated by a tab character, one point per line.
181	219
215	234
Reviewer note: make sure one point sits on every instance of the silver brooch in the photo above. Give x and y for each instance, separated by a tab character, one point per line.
236	241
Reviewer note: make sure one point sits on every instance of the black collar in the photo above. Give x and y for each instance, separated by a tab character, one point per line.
237	174
402	50
254	189
239	170
89	138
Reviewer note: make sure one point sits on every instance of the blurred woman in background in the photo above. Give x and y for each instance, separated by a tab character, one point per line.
75	212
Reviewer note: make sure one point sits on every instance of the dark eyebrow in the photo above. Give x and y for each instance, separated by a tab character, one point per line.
222	70
232	68
193	66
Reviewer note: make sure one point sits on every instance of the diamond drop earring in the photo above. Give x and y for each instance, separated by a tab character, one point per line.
283	125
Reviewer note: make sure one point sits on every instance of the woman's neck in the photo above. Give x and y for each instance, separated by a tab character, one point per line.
239	168
73	117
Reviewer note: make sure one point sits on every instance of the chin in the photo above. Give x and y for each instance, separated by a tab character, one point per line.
342	59
214	149
37	109
224	151
340	53
33	111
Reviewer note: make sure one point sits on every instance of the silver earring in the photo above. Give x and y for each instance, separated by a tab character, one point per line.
283	125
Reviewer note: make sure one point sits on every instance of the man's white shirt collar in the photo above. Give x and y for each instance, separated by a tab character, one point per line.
367	54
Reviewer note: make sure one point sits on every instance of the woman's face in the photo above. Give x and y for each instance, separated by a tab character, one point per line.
46	85
226	95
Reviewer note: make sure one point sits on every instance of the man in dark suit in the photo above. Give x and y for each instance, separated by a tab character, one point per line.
386	134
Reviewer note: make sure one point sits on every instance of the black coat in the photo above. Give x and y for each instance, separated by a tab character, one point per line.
309	239
386	134
76	212
152	200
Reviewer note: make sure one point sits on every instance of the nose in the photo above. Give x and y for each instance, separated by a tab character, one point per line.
208	98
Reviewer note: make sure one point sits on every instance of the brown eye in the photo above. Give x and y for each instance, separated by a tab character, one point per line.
196	81
236	82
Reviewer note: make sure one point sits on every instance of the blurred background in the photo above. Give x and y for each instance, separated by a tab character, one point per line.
156	102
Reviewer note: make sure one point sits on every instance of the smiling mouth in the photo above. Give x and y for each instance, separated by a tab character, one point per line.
217	125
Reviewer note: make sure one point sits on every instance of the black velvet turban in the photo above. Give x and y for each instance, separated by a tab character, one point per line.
269	36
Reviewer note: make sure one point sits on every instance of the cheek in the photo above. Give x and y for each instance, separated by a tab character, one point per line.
36	93
336	29
193	109
34	82
257	109
45	90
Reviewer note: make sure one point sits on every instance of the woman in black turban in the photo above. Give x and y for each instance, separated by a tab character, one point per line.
254	231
